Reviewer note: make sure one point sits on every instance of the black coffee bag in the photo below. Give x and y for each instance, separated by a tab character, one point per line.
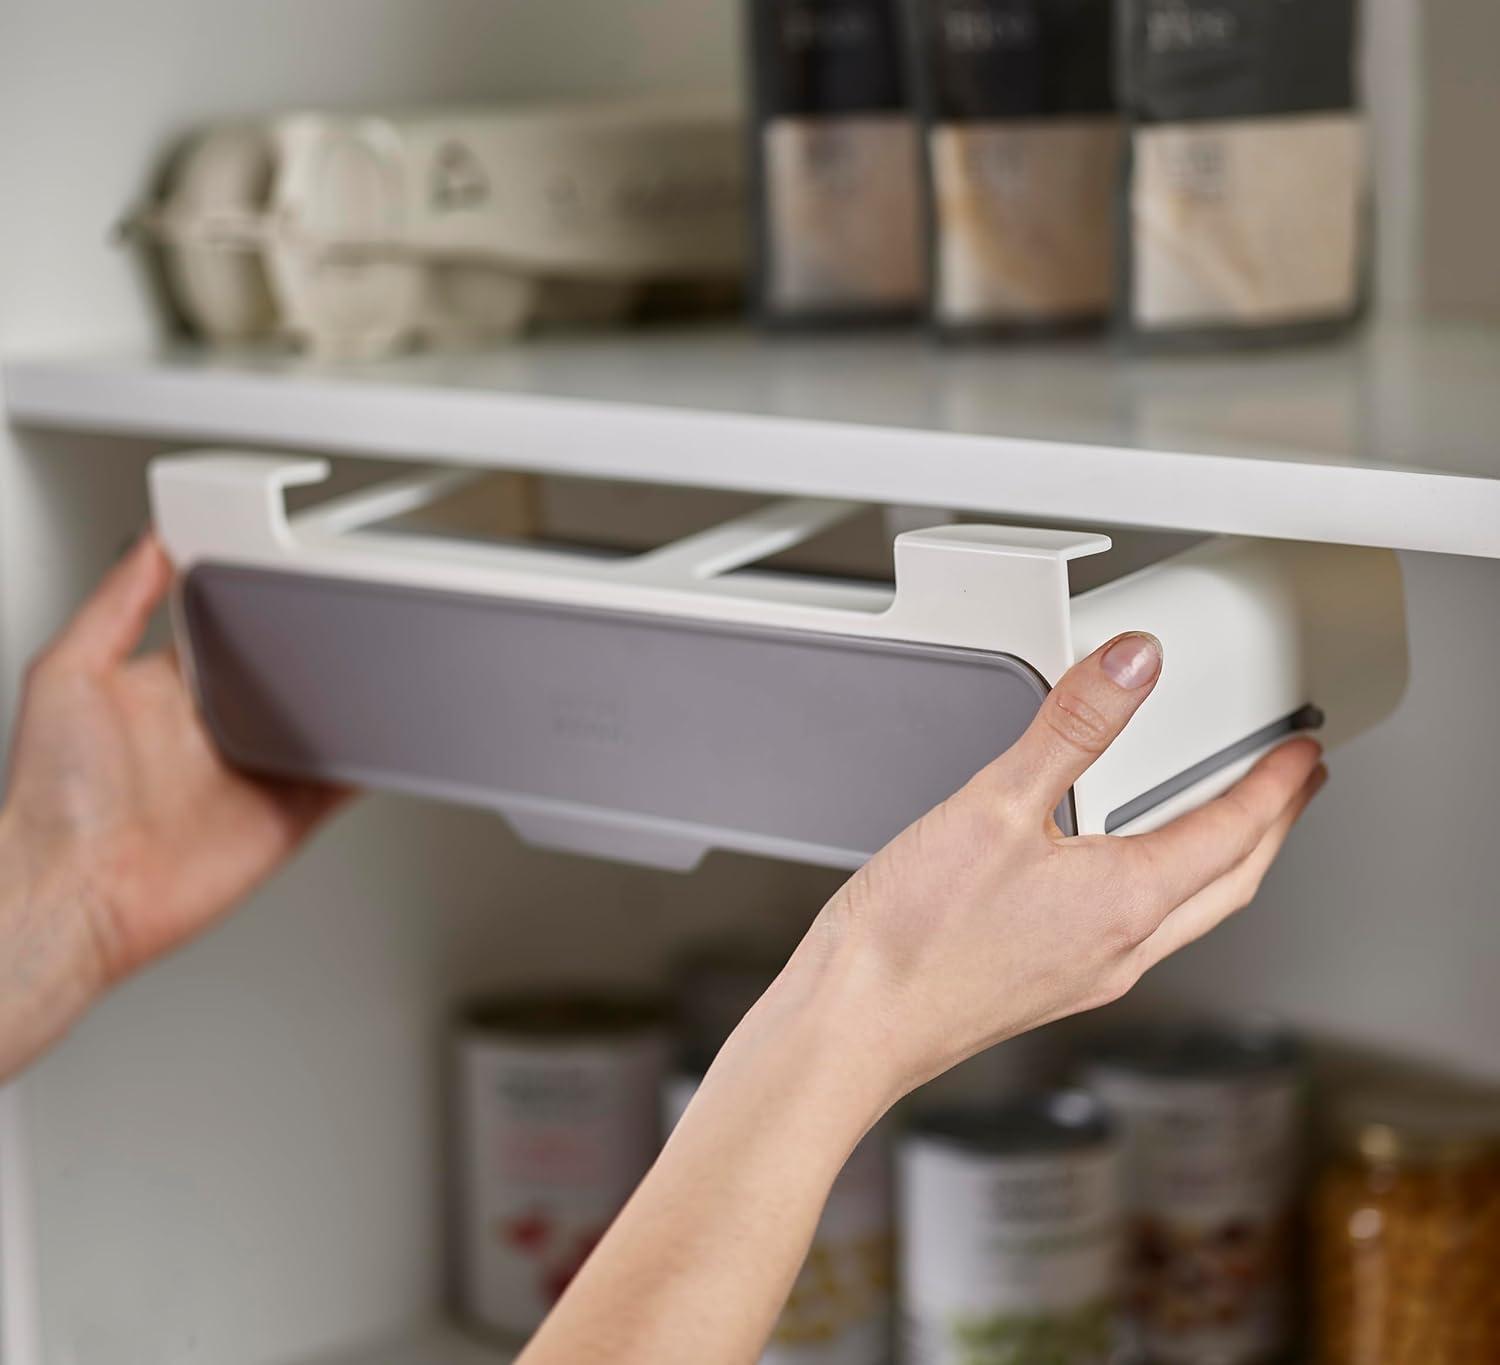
834	160
1244	204
1022	150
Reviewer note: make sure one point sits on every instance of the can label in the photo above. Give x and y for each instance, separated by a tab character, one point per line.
1211	1172
553	1139
839	1309
1009	1260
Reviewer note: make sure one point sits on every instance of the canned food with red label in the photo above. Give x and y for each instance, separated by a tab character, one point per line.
557	1121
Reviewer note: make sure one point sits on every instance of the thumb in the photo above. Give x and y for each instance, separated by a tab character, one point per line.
111	622
1080	718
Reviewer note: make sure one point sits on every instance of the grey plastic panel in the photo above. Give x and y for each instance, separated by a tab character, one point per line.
640	737
1303	718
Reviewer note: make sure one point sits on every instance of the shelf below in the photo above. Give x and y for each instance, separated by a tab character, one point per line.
430	1344
1391	438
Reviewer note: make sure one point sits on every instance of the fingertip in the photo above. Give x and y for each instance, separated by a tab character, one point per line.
1303	751
1082	715
111	621
1132	661
150	554
150	573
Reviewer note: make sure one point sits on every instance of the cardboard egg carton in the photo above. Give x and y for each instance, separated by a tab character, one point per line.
356	235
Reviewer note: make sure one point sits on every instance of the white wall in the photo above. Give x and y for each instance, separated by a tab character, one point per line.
1394	81
1459	263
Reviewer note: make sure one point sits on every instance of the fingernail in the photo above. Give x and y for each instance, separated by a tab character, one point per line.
1132	661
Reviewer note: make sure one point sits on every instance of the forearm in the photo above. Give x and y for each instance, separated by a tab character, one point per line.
698	1265
49	967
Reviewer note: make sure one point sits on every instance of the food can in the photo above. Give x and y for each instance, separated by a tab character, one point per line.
1211	1119
839	1309
1011	1226
557	1120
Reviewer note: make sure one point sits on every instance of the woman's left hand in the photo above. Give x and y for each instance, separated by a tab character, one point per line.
123	833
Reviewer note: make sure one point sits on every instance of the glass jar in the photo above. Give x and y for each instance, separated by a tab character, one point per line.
1406	1228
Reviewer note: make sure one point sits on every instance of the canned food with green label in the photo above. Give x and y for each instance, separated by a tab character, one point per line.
1011	1235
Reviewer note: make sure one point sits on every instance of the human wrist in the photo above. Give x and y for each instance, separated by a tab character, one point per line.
814	1036
54	966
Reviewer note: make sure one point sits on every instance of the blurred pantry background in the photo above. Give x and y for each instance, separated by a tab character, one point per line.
265	1113
93	94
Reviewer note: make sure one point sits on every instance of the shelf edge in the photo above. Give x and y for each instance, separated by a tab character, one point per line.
1395	508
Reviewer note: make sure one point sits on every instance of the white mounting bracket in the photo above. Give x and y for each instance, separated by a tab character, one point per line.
997	588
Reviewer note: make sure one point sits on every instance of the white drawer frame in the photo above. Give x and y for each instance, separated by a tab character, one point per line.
1255	633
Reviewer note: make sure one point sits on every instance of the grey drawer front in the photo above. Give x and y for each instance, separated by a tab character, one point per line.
818	746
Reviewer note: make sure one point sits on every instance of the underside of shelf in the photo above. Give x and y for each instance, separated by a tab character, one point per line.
1387	439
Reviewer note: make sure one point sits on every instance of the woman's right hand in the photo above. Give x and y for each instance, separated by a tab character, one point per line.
982	920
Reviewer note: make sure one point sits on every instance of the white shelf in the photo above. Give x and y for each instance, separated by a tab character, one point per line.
429	1344
1391	438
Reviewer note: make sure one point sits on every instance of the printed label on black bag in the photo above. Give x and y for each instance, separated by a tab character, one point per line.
988	59
827	57
1186	60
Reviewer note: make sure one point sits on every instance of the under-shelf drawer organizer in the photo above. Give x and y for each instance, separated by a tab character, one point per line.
654	706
